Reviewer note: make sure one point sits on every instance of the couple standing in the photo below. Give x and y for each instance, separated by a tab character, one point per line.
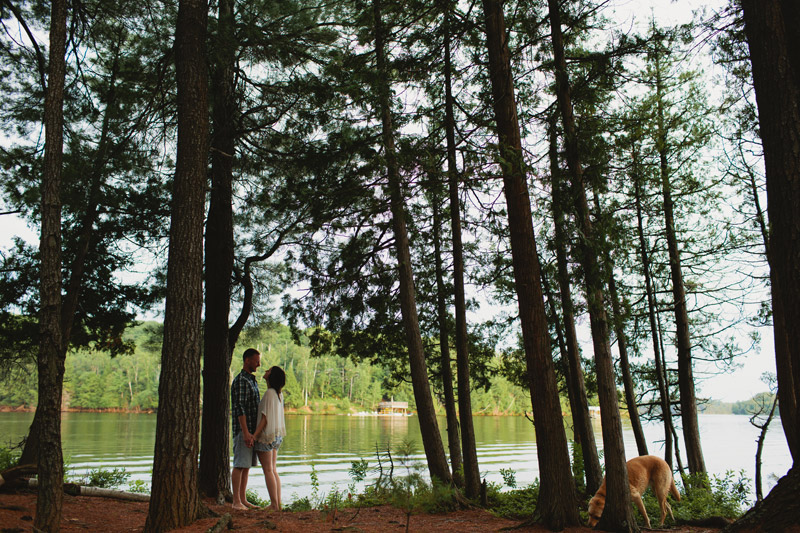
258	429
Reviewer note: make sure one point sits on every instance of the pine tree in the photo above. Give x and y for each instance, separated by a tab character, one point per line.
175	500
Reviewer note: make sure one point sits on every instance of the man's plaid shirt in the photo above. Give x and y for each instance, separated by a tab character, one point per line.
244	401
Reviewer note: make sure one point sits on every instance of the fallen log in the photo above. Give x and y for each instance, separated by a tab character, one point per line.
79	490
16	476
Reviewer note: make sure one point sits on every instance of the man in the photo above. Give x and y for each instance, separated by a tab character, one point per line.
244	406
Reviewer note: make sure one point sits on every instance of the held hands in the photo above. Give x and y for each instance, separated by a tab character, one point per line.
249	439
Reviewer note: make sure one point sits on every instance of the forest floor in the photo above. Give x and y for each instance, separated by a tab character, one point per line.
83	513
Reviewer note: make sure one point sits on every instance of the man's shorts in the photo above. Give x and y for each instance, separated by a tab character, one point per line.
243	457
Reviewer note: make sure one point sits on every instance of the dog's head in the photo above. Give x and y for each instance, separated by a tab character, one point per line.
596	506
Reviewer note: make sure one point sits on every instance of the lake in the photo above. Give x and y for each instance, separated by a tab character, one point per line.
331	443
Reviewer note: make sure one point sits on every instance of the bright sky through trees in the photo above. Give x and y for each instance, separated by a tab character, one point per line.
634	14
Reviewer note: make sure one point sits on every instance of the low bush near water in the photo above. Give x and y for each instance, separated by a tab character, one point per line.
8	457
103	478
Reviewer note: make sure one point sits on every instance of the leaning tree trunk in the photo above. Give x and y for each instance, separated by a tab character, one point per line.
772	33
175	500
617	515
575	382
663	389
214	473
429	427
50	460
556	506
453	438
472	477
622	343
688	398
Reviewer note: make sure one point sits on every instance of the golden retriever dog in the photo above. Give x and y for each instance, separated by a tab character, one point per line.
642	471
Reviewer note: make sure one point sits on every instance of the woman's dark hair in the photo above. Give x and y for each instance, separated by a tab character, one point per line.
276	379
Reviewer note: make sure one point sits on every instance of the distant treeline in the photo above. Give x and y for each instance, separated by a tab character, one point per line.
95	380
760	403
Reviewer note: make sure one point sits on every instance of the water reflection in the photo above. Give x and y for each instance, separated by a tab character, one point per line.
332	443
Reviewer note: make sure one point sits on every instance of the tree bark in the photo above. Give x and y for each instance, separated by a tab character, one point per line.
556	506
661	378
617	515
74	285
575	382
453	434
472	478
772	33
215	474
622	343
688	398
50	461
429	427
175	499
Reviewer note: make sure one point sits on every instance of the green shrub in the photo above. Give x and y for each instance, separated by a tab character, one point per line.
299	504
8	457
253	497
139	487
509	477
703	496
100	477
515	504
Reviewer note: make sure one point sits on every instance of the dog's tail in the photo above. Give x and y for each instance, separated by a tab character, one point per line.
674	490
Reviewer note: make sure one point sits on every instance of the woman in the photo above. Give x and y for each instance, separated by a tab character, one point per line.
270	432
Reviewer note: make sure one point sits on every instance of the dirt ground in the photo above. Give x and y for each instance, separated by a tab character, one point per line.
82	513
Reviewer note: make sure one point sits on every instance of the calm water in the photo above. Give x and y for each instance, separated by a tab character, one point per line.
331	443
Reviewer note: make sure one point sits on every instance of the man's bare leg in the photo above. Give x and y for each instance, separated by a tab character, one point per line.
236	481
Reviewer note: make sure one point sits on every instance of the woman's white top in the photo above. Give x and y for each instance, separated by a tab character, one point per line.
271	406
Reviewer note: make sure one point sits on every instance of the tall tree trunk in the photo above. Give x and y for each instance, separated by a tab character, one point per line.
688	398
556	507
74	284
663	389
50	460
622	342
472	477
686	388
429	427
772	33
617	515
215	474
453	434
175	499
575	382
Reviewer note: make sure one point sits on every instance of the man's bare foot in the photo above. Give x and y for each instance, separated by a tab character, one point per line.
239	507
250	505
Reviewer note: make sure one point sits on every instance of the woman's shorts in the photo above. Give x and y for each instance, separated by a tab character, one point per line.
274	445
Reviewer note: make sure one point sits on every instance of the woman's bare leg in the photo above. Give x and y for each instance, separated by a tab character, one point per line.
268	465
277	479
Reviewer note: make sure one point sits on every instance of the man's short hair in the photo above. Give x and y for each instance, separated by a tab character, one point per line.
250	352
